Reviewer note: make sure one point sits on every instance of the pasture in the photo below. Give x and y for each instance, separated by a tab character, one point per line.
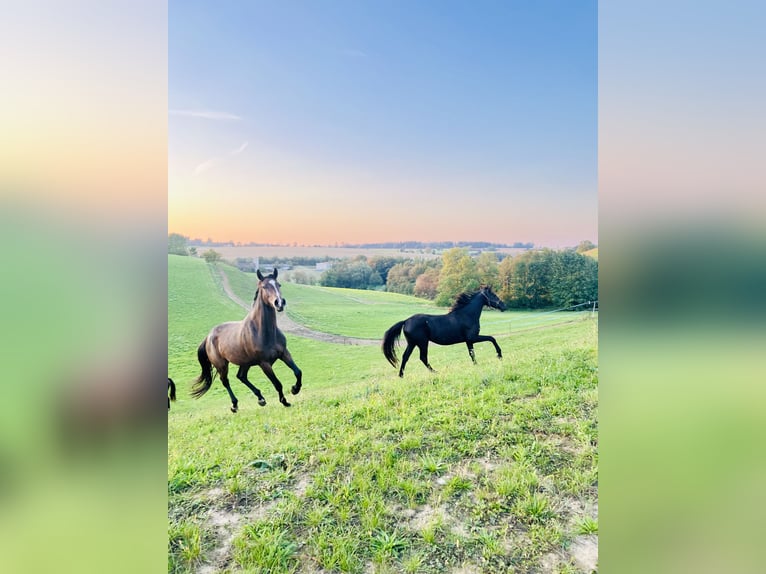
486	468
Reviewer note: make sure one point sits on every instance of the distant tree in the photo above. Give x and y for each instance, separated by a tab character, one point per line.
352	274
574	279
458	274
487	269
177	244
584	246
525	279
245	264
303	278
427	283
212	256
402	276
382	264
193	251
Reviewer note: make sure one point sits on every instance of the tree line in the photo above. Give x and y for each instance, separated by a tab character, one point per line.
534	279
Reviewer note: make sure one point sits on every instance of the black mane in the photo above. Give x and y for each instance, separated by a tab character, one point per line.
462	300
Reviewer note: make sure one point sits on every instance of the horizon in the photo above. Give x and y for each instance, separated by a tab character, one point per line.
369	244
359	124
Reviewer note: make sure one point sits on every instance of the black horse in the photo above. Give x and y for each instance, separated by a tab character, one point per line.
171	391
460	325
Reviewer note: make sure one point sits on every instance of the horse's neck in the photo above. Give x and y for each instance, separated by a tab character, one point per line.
474	306
265	319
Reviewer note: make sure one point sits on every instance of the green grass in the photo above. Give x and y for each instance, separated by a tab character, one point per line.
473	465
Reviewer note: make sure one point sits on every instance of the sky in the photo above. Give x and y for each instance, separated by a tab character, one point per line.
353	122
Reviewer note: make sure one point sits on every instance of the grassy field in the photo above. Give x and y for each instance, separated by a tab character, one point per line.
487	468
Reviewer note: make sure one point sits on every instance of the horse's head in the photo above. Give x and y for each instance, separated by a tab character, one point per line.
492	300
268	287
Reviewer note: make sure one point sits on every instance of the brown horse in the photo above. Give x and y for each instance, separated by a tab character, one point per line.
255	340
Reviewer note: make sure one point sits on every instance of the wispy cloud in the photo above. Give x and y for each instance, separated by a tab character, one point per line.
205	114
207	164
240	149
216	161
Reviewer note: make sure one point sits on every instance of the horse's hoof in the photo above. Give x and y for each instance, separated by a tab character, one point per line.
499	356
295	390
262	402
286	403
234	408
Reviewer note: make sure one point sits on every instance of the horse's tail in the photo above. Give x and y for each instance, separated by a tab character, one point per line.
205	380
172	387
389	342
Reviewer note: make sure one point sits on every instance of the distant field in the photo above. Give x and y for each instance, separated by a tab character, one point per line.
232	253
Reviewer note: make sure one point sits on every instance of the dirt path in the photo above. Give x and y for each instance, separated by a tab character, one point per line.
287	325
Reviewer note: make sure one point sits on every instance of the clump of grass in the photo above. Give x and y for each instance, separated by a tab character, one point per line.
433	530
185	544
433	465
533	508
488	544
587	526
456	485
264	548
387	545
336	549
415	563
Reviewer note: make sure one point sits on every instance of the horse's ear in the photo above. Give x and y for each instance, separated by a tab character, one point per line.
275	272
259	274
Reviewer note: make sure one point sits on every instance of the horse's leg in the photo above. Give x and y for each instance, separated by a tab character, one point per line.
287	359
470	351
223	372
242	376
424	355
406	357
491	339
266	367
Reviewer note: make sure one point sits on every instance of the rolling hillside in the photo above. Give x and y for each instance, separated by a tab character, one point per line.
480	468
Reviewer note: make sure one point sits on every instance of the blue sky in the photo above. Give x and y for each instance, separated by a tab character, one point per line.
425	121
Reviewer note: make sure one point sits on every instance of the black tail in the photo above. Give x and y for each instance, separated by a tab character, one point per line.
205	380
389	342
172	388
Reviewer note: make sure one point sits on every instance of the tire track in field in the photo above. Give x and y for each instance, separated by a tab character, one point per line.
287	325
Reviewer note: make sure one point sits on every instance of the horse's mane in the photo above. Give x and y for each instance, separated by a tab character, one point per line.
462	300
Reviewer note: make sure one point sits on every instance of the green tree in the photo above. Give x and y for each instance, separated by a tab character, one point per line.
487	269
352	274
458	274
212	256
382	264
574	279
525	279
177	244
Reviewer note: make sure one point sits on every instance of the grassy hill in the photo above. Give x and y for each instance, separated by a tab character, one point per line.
480	468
